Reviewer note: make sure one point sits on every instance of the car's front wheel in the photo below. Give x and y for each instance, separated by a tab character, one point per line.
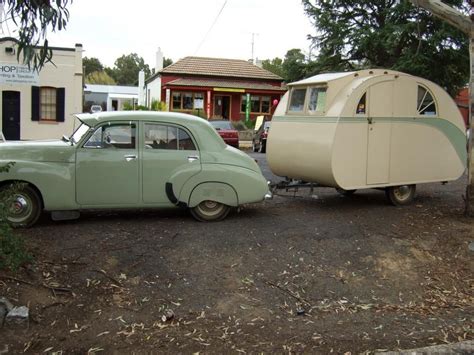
23	205
209	211
400	195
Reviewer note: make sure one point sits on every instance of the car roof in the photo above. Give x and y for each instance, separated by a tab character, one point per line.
93	119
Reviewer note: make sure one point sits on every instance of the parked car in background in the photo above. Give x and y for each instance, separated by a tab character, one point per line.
96	108
228	133
259	140
129	160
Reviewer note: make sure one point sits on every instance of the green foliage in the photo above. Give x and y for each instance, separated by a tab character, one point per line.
389	34
34	19
167	62
91	65
12	249
199	113
291	68
158	105
126	69
99	77
274	65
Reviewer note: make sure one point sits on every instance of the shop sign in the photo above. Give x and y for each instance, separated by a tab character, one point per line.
228	90
247	108
11	73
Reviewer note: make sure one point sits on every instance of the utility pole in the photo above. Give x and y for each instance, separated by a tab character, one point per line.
465	24
253	44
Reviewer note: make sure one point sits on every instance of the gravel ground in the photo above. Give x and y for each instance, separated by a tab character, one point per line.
305	272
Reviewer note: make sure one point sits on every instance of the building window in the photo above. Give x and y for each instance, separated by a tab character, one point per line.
47	104
258	104
187	101
426	104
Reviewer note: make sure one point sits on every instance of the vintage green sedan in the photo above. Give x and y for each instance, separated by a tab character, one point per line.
130	160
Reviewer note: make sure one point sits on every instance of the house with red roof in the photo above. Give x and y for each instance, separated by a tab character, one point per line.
217	88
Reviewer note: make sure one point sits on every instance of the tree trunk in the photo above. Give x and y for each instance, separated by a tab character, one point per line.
463	23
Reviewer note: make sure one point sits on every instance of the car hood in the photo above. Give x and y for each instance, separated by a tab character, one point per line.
38	151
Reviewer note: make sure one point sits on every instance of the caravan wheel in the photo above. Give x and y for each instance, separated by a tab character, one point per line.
400	195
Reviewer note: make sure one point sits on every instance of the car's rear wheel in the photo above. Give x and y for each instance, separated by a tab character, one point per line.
400	195
208	211
23	205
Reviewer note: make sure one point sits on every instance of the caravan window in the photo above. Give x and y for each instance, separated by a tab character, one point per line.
297	100
361	106
317	100
426	104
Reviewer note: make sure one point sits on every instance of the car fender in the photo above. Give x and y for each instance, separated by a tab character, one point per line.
213	191
248	185
54	181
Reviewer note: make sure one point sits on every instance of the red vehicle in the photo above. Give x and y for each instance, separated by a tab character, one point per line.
227	132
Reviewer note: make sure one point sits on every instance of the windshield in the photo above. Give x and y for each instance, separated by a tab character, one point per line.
78	133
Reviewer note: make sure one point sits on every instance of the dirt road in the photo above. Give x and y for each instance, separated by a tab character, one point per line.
311	273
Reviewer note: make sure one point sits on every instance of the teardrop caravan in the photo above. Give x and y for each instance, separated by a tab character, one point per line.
368	129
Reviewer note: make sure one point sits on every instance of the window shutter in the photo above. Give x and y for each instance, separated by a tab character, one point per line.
35	103
60	104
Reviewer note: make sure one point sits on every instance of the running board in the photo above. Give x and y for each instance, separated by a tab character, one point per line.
64	215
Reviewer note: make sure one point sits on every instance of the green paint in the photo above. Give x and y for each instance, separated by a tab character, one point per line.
456	136
247	107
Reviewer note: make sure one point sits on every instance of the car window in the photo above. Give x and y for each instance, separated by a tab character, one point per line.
221	125
159	136
113	136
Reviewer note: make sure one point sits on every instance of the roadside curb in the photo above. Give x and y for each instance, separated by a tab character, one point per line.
464	347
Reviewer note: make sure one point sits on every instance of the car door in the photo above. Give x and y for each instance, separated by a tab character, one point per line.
107	167
169	155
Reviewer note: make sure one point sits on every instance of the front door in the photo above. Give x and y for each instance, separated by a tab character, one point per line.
379	132
11	115
169	155
222	107
107	167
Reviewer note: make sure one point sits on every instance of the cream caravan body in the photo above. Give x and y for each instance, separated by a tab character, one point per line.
365	129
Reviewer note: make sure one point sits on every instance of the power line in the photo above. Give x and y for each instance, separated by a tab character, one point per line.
210	28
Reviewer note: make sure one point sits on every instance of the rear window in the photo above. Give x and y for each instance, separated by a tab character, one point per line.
221	125
297	100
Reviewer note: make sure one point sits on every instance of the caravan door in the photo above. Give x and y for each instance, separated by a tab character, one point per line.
379	126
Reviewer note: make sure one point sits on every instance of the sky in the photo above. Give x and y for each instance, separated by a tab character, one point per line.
108	29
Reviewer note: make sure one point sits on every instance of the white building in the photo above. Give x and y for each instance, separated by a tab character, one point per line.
110	97
153	83
39	105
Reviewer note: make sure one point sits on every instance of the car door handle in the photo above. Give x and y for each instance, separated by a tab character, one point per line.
192	158
130	157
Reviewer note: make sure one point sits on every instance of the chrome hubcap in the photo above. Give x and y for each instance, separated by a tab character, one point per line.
210	208
20	208
402	192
